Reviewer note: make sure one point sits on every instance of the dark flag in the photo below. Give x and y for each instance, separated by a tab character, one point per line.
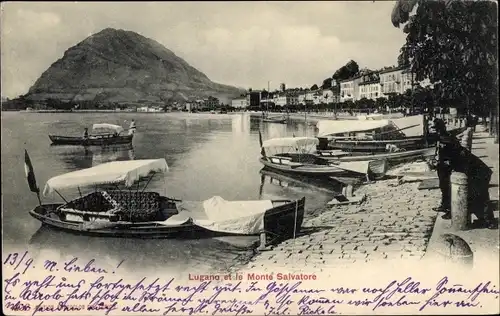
30	175
262	151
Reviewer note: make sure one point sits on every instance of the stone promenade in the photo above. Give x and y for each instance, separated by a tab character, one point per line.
394	222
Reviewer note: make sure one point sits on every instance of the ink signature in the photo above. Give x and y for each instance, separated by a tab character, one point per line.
90	286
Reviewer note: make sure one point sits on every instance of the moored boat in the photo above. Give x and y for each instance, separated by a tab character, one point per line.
399	156
408	133
137	213
275	120
297	155
116	137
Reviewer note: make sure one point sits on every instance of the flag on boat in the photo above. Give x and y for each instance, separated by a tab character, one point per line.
262	151
30	174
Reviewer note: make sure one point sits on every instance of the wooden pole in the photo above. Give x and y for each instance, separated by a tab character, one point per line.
460	217
39	200
62	197
263	241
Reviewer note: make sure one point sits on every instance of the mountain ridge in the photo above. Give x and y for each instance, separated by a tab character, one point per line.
124	66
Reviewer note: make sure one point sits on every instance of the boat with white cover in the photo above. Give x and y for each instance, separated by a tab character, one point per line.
298	155
116	136
130	212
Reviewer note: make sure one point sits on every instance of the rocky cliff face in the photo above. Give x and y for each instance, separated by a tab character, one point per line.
123	66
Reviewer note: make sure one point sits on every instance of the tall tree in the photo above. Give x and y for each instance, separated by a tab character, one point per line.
453	42
347	71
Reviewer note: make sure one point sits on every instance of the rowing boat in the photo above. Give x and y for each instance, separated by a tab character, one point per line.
116	137
342	156
297	155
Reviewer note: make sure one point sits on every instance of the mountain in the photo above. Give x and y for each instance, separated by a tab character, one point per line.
123	66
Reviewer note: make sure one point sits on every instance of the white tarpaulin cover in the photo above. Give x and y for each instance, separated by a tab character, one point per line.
404	122
291	142
126	172
331	127
236	217
116	128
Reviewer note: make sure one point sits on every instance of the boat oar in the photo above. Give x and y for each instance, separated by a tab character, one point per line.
30	176
399	129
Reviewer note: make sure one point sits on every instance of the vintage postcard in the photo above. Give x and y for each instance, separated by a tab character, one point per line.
250	158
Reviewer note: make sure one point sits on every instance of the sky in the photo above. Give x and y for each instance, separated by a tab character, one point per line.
245	44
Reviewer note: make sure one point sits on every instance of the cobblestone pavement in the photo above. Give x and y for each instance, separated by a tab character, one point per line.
394	222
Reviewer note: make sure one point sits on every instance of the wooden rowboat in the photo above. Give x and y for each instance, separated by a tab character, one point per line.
285	217
342	156
271	120
142	214
298	156
94	140
97	140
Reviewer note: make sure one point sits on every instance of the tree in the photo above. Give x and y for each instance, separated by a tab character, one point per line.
347	71
314	87
453	42
327	83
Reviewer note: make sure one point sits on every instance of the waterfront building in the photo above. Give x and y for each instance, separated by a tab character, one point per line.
239	103
266	98
211	102
306	97
390	81
347	90
280	99
329	96
370	90
253	98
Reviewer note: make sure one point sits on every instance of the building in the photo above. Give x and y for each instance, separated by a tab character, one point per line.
253	98
370	90
347	90
282	87
305	97
211	102
285	98
280	99
239	103
391	81
266	98
329	96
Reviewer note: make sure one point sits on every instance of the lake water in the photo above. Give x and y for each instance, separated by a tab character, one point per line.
208	155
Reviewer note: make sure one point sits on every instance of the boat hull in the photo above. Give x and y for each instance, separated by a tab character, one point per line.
379	146
280	121
306	169
91	141
280	221
392	157
411	143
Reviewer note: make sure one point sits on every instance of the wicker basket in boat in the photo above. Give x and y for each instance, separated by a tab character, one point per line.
136	206
128	205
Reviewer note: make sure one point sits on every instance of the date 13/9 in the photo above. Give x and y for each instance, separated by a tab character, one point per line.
16	260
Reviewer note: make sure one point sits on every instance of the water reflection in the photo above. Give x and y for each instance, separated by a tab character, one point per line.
143	254
273	180
207	154
79	157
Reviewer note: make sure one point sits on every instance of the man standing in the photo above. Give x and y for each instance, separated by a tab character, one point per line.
444	151
131	128
453	157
